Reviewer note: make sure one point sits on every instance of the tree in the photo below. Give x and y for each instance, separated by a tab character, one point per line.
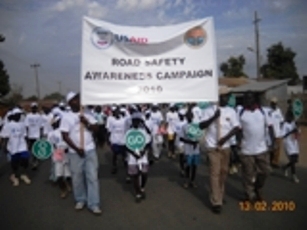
4	81
54	96
32	98
280	63
233	67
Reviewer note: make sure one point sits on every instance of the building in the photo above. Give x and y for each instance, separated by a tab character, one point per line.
265	90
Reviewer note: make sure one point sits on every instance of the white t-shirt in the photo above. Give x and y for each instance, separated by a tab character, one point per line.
56	139
171	118
47	119
16	134
34	123
290	142
254	125
277	119
117	129
188	149
144	159
70	123
197	114
178	130
228	121
156	117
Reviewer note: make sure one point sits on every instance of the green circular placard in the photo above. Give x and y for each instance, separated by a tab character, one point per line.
194	132
135	140
297	107
42	149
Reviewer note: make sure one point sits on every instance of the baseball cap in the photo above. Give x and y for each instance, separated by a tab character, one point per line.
137	115
16	111
274	99
33	104
70	96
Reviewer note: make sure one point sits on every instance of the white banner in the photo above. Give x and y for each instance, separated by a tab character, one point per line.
123	64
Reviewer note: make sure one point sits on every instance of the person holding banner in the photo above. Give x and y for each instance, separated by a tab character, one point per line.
222	124
82	155
138	164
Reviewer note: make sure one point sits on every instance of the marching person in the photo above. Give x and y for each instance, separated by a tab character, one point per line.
191	153
277	119
179	144
222	124
138	161
82	155
157	119
100	117
117	126
290	140
254	124
34	124
59	158
14	135
171	120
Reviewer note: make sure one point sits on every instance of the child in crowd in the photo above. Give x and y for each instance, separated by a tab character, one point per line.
60	161
291	146
191	151
138	160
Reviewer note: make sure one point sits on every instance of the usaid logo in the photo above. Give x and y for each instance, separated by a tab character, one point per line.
102	38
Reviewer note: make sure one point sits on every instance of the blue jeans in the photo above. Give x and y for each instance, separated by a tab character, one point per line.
84	173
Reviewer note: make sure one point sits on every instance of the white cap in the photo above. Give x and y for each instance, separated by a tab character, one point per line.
113	108
147	112
68	108
33	104
70	96
123	110
182	111
16	111
61	104
137	115
171	105
55	119
154	104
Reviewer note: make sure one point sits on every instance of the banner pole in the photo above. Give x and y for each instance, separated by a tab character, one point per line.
81	129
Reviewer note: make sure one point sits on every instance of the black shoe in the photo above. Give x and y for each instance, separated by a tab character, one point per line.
114	171
217	209
151	162
138	198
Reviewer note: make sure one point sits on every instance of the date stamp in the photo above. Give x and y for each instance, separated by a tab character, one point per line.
264	206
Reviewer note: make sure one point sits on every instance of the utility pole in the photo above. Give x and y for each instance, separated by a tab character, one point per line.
60	87
35	66
256	21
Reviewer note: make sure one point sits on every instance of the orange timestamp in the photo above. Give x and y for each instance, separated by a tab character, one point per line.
263	206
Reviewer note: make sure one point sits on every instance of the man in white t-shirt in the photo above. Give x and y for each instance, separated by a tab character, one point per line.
222	124
254	122
82	155
157	119
277	120
34	123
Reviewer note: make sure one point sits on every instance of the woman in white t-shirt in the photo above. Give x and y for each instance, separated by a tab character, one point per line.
290	139
14	135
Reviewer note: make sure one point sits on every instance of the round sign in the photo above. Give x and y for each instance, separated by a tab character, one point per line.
194	132
135	140
297	107
232	101
42	149
203	105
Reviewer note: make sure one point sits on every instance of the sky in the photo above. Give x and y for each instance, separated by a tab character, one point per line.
48	32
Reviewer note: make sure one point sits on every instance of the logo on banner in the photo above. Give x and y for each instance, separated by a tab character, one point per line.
195	37
103	38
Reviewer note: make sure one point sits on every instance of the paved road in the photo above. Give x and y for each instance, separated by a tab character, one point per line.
168	204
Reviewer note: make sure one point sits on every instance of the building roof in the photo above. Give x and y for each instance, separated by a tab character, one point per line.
233	81
259	86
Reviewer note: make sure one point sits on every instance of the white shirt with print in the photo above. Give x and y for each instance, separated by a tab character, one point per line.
34	123
70	123
290	142
228	120
277	119
16	134
117	129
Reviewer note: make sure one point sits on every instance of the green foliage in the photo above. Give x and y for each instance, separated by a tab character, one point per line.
32	98
4	81
233	67
280	63
54	96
